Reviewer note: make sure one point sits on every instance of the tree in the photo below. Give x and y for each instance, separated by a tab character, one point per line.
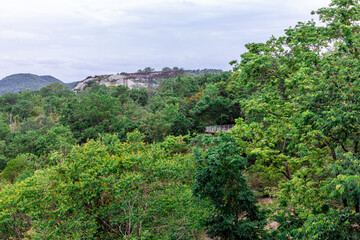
139	95
166	69
4	126
146	69
91	115
213	109
57	139
344	181
299	95
55	89
18	165
155	126
219	179
338	225
105	189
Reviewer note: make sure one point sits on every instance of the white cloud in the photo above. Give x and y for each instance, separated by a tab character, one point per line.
115	10
75	38
19	35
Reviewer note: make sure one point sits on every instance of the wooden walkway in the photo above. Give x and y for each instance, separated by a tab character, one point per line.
214	129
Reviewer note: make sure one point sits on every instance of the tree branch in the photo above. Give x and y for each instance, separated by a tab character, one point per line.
333	154
283	149
343	147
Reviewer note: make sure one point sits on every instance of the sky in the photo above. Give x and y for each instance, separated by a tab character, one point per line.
73	39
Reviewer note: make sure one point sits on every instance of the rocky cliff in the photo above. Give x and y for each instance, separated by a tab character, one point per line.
139	79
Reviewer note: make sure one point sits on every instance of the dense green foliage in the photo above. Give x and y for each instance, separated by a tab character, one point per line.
219	178
147	191
105	190
71	170
300	95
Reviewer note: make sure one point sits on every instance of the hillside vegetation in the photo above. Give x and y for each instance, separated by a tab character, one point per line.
22	81
120	163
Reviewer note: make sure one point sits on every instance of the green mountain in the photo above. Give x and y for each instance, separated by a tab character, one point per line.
22	81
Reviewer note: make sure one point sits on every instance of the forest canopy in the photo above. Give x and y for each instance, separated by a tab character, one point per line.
119	163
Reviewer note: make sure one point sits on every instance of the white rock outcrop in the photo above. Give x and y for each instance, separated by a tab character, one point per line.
139	79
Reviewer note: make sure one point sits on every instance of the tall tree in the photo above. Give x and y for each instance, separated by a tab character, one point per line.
220	180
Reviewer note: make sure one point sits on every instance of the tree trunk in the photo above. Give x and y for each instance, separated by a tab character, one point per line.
356	148
357	206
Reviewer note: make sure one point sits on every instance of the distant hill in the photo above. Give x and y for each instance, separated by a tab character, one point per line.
22	81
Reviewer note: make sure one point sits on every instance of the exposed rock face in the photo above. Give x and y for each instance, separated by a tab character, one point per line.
140	79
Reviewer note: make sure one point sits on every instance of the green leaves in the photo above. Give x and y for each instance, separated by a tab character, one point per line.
91	115
299	94
219	180
334	225
105	189
344	182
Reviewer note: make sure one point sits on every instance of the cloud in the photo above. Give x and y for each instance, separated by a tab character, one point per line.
73	39
19	35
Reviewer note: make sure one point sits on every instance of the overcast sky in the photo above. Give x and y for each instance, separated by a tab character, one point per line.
72	39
